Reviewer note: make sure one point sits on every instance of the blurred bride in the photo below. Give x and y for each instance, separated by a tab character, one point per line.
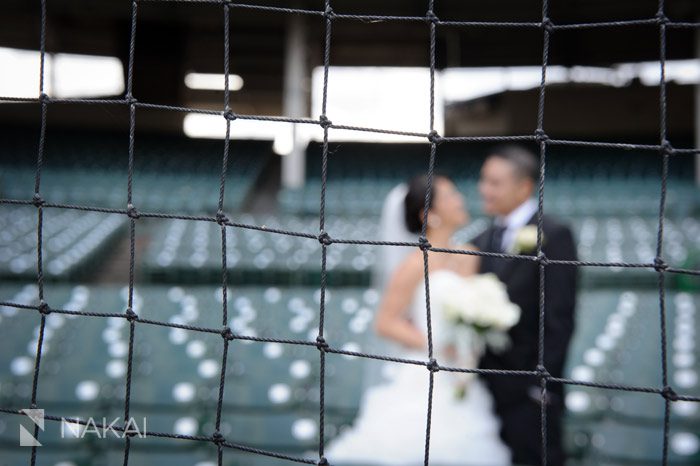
390	427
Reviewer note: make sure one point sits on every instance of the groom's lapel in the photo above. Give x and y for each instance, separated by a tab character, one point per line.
533	219
499	266
506	268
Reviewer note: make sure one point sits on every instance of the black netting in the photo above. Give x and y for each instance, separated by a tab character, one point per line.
664	149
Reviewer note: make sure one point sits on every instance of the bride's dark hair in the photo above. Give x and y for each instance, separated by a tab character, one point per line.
415	199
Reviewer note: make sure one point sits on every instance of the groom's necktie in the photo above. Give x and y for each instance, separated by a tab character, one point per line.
497	238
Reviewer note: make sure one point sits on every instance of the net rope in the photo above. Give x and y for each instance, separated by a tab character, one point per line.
548	28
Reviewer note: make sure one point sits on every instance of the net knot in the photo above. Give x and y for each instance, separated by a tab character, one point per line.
324	121
659	264
431	17
661	18
322	461
666	147
131	315
221	218
132	212
324	238
37	200
540	135
543	372
433	365
217	438
434	137
44	308
44	98
321	344
130	99
542	258
329	13
227	334
423	243
229	115
547	24
669	394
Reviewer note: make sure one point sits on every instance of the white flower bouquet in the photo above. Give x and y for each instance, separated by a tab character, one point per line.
481	314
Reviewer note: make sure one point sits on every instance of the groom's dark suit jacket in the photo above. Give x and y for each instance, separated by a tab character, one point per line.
515	395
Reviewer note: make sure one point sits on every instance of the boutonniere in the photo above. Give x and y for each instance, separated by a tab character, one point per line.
525	240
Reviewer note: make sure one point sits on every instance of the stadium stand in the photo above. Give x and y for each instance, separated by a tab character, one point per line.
170	174
580	181
272	388
187	252
75	242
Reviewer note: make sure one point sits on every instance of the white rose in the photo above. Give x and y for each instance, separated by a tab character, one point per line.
525	240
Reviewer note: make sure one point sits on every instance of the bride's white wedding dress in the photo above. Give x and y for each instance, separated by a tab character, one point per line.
391	422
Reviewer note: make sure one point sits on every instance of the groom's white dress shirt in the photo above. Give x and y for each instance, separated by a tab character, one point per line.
515	220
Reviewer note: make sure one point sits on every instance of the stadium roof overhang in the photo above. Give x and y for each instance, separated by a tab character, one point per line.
175	37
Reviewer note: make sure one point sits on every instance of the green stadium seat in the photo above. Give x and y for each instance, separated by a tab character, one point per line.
626	444
73	241
172	174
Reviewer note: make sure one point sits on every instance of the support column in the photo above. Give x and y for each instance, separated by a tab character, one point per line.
158	71
295	102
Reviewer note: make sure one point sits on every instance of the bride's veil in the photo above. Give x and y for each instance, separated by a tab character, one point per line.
392	227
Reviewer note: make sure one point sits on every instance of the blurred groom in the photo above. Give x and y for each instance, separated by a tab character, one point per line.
507	184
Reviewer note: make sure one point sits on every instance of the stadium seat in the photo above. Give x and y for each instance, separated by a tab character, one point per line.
73	241
169	173
627	444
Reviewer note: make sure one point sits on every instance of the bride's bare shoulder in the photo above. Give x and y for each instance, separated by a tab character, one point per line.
412	265
413	260
469	264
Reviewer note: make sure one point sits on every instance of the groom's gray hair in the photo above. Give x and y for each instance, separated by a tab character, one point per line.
524	162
